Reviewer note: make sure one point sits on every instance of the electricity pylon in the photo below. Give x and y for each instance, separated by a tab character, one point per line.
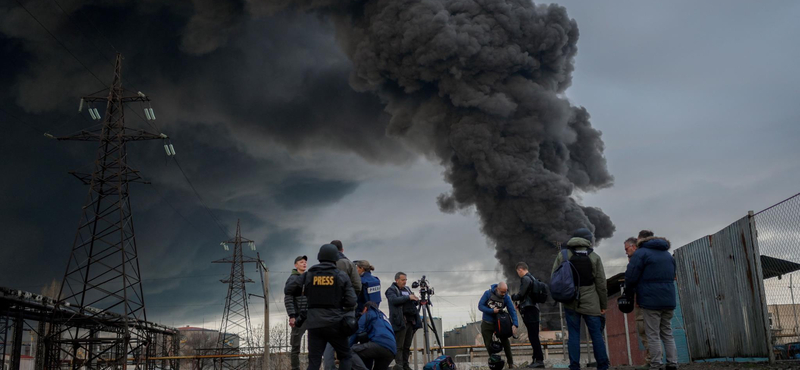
102	285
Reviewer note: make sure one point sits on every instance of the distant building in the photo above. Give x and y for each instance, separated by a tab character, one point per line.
784	322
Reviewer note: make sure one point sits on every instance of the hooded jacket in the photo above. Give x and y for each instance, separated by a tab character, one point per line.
294	305
325	317
378	329
350	270
593	298
396	301
524	296
651	274
490	300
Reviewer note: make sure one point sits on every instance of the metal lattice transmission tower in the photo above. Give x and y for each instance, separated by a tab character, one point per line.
102	283
236	317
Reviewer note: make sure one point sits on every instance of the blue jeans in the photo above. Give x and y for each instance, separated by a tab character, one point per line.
596	325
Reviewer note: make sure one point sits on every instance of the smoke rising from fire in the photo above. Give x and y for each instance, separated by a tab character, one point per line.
478	84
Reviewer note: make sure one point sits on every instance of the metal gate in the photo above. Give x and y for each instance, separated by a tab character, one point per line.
721	276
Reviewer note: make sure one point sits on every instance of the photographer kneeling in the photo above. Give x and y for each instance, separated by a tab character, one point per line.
377	347
493	302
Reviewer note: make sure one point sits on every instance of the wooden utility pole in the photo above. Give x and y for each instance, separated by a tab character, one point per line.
266	365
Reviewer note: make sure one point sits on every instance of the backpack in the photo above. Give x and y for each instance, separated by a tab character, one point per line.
503	325
537	291
441	363
583	264
565	282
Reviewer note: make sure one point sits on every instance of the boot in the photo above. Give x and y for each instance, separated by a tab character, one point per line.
536	365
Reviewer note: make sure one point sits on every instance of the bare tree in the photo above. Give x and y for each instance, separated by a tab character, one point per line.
191	341
279	346
473	313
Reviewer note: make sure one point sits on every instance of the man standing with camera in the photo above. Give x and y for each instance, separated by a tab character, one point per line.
529	310
493	302
404	318
331	303
294	306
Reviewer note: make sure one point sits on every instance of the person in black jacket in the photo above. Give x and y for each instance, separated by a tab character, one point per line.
530	312
294	306
404	318
331	299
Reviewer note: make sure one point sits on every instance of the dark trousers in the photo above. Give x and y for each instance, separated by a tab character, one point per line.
318	338
403	338
371	356
297	336
530	316
487	329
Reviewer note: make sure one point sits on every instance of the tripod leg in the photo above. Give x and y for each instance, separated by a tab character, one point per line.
435	333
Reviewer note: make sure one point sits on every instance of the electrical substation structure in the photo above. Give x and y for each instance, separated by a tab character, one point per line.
98	319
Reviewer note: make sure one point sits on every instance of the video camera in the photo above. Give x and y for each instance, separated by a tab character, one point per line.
424	287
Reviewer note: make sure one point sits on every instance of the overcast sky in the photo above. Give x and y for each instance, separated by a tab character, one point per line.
697	103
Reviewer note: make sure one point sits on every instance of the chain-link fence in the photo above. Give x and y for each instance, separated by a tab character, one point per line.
778	232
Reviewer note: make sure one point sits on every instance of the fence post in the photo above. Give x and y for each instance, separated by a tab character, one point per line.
627	339
756	254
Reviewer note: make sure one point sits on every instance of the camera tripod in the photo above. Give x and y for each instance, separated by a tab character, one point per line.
427	322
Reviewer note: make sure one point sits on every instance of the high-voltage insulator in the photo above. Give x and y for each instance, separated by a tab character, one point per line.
147	114
152	114
80	107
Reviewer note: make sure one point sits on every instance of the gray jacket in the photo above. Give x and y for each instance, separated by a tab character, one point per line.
350	269
325	317
294	305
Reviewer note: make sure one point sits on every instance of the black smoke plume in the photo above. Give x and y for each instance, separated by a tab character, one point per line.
479	84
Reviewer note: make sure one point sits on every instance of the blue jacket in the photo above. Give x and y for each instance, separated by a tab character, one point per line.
651	274
488	312
370	290
378	329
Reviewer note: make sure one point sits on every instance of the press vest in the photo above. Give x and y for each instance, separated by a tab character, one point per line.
371	289
323	289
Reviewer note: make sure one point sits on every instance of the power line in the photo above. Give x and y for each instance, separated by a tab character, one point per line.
96	47
61	43
26	124
223	229
93	25
163	198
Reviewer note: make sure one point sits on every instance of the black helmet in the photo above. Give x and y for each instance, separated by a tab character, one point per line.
496	363
495	347
328	253
625	304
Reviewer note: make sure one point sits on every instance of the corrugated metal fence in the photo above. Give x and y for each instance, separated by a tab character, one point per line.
720	275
